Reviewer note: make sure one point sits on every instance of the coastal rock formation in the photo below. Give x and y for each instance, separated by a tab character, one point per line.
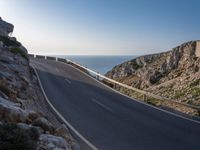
24	112
174	74
5	28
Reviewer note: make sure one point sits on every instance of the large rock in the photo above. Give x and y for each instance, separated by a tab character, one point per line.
50	142
5	28
38	131
9	103
44	124
63	131
12	114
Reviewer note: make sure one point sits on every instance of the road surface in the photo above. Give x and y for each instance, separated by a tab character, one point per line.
109	120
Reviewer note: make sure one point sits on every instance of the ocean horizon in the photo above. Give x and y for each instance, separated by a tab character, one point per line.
98	63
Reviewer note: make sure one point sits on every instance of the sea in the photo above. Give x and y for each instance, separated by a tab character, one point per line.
101	64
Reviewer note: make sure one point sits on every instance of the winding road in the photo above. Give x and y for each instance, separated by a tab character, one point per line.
109	120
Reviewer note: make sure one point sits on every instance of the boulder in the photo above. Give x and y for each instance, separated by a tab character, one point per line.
13	114
32	115
50	142
38	131
7	59
44	124
63	131
6	102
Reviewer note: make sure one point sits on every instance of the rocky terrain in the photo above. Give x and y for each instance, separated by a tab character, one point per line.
174	74
26	121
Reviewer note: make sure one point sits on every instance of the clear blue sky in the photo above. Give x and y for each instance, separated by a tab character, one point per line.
102	27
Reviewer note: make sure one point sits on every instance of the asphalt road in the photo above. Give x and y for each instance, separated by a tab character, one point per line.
111	121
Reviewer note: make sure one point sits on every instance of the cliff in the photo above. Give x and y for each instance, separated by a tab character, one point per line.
5	28
174	74
26	121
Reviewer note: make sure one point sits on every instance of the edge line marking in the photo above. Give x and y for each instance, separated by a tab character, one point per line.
102	105
61	117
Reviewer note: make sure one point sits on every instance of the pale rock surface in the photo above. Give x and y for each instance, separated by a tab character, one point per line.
21	99
173	74
44	124
5	27
50	142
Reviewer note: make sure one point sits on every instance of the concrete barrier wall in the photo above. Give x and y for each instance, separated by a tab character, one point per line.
51	58
31	55
40	56
61	59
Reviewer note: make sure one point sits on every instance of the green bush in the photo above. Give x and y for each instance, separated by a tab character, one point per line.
178	94
14	138
136	66
195	92
8	42
153	101
17	50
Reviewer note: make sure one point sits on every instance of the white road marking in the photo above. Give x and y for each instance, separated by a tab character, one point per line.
68	81
102	105
138	101
61	117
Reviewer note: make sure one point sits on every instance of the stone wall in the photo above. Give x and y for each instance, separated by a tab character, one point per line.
197	49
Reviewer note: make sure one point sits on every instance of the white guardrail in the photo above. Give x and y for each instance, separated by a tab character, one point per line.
90	72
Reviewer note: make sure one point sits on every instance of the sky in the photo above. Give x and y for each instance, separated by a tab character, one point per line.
102	27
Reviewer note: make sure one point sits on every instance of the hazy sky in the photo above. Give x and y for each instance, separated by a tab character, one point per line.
102	27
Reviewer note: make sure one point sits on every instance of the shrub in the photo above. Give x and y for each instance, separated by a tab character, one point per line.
14	138
8	42
195	83
153	101
178	94
195	92
17	50
136	66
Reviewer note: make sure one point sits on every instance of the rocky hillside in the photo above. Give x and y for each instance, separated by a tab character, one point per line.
26	121
174	74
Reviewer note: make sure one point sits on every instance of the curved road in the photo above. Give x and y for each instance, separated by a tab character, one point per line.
111	121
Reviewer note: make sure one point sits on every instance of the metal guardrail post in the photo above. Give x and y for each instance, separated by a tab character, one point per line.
97	76
144	97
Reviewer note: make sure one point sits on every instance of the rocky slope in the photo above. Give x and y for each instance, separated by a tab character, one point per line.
26	121
174	74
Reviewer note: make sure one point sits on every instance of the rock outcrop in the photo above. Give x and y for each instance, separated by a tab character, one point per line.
23	108
50	142
174	74
5	28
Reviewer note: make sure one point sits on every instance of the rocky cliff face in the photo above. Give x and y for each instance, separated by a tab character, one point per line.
26	121
174	74
5	28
